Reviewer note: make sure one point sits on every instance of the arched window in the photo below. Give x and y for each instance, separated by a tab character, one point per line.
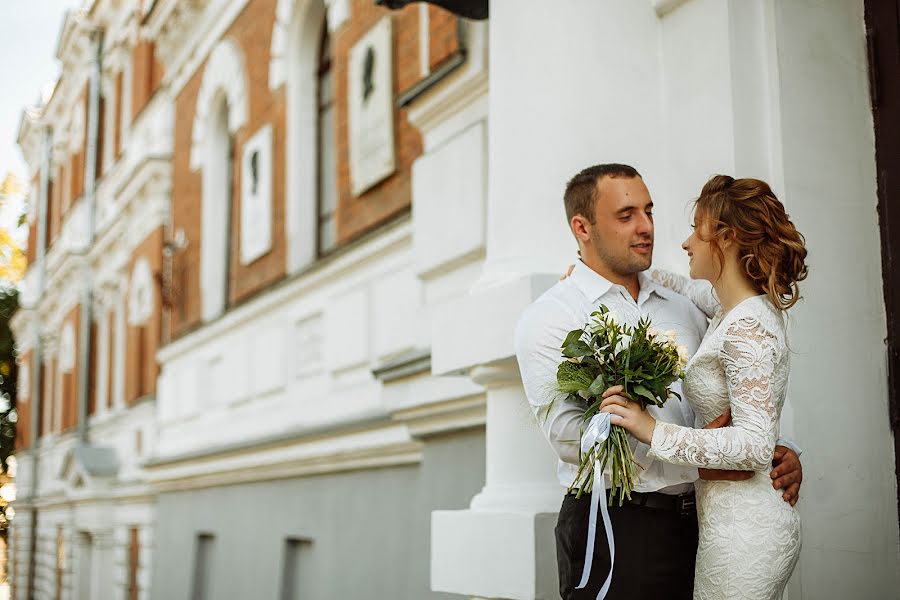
326	187
298	37
216	207
221	112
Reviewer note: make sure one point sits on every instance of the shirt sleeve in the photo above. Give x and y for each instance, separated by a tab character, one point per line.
698	291
538	340
749	356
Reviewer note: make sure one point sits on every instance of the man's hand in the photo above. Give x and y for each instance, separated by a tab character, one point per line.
787	474
724	420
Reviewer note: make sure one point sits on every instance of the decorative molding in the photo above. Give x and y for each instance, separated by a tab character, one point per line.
397	236
256	196
224	72
77	128
370	98
442	417
141	294
285	14
67	348
500	374
220	473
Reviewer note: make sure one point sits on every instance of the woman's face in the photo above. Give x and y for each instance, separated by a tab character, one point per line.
704	262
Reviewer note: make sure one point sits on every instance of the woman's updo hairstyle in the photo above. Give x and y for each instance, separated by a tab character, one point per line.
770	249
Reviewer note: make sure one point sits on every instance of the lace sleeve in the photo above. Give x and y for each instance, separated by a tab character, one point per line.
750	356
698	291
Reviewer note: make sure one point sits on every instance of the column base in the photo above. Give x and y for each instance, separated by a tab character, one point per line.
494	554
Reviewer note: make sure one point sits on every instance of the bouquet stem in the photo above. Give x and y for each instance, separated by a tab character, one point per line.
616	452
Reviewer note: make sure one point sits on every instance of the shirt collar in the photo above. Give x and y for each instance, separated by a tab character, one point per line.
590	282
594	286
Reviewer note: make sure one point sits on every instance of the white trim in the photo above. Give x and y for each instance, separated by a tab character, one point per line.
118	355
67	348
398	236
77	128
103	356
424	41
217	196
301	202
287	14
224	73
141	294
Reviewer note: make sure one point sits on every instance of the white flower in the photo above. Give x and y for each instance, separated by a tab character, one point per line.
652	332
683	356
671	334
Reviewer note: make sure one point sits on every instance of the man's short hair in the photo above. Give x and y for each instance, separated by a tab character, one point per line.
581	191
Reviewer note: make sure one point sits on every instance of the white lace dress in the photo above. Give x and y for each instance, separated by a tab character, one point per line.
749	536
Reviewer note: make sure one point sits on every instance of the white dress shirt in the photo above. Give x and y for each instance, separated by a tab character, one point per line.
567	306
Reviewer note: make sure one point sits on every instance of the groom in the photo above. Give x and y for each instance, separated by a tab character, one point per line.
610	212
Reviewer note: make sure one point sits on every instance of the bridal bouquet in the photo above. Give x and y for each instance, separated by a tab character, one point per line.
604	354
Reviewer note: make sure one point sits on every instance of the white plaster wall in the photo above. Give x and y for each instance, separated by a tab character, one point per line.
304	352
573	84
849	504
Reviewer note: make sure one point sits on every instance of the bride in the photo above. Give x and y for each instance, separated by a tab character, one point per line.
745	245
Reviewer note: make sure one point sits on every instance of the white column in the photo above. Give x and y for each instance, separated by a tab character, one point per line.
103	355
118	354
102	565
84	566
572	84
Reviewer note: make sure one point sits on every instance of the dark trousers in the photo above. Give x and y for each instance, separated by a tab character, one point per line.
655	552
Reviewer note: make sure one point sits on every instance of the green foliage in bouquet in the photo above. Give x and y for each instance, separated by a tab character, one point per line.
604	354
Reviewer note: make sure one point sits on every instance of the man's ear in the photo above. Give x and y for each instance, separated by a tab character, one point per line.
580	227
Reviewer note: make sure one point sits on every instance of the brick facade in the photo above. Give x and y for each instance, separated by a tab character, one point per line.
355	216
142	342
146	75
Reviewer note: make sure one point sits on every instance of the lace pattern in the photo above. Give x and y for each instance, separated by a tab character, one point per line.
750	538
698	291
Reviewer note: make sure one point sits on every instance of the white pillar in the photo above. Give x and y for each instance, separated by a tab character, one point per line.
118	354
503	546
103	355
572	84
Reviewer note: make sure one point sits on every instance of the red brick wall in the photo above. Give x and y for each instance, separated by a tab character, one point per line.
146	75
391	197
355	215
54	205
252	31
76	159
442	38
117	122
47	389
31	252
101	138
70	378
23	426
142	342
186	206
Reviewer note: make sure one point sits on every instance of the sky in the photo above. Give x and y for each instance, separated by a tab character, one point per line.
28	34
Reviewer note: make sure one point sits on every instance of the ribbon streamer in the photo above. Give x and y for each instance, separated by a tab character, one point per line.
596	433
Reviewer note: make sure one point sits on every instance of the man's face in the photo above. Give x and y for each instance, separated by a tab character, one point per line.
622	233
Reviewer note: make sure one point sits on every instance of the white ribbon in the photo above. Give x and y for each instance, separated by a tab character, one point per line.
596	433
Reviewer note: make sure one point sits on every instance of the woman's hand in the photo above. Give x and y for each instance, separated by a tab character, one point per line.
629	414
